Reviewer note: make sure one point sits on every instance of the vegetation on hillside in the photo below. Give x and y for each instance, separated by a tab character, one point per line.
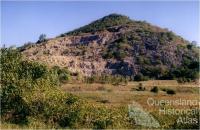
102	24
155	66
133	49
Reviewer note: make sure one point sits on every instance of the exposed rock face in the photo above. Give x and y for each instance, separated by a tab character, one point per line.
125	49
77	53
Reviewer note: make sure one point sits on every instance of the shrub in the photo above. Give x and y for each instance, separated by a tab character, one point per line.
62	35
164	89
189	46
104	101
140	77
14	105
155	89
71	99
32	69
42	38
63	74
108	55
19	80
120	54
26	46
170	91
141	87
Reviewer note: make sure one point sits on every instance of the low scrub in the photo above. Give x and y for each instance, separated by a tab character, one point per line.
170	91
141	87
155	89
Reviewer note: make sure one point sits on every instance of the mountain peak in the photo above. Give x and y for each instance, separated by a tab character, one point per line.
116	16
103	23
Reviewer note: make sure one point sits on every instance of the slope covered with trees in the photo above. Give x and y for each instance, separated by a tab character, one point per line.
117	45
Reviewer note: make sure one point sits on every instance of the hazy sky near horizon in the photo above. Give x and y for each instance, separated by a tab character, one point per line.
24	21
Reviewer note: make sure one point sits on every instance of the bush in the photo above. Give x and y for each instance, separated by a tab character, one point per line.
120	54
104	101
26	46
33	70
141	87
155	89
13	104
63	74
42	38
189	46
108	55
164	89
71	99
170	91
19	80
140	77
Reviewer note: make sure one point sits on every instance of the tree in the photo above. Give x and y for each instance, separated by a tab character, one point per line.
194	43
42	38
155	89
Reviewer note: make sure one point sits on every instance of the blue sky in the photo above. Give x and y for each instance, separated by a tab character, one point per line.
25	21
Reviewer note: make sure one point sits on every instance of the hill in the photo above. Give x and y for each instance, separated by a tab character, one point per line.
117	45
35	95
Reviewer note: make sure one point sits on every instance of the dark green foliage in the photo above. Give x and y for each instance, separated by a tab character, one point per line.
13	104
119	54
71	99
189	46
194	65
155	89
102	24
143	60
62	35
104	101
140	77
42	38
119	49
63	74
188	72
141	87
33	70
26	46
164	37
108	55
153	71
171	91
17	78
